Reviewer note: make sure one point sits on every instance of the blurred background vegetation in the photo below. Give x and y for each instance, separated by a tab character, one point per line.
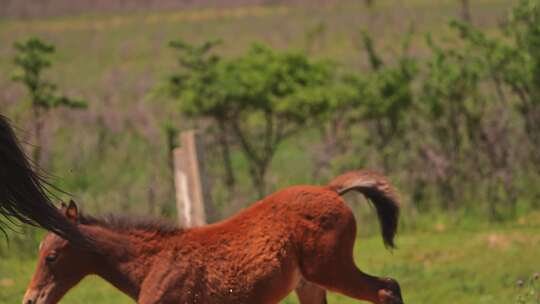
442	96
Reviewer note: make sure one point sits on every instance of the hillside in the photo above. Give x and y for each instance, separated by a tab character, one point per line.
113	156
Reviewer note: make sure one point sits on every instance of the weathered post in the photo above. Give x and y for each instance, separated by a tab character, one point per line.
192	193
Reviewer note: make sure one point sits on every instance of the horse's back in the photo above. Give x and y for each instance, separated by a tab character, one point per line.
257	252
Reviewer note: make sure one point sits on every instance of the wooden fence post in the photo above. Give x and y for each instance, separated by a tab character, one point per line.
192	192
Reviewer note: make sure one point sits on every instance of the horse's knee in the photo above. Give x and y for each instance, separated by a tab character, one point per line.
310	293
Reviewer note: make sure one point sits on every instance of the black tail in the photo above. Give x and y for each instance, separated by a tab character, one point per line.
23	195
379	191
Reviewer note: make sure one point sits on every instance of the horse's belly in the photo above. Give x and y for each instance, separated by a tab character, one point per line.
275	288
265	282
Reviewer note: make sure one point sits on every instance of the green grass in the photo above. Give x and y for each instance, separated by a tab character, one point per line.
450	266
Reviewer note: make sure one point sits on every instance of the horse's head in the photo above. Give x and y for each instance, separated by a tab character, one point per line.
61	265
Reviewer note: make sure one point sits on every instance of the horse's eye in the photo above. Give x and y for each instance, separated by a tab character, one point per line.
51	257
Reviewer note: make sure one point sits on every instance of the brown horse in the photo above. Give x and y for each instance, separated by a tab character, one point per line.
23	191
257	256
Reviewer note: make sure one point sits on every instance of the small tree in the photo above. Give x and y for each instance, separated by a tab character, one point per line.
523	73
32	60
514	63
453	104
198	85
494	132
267	89
387	95
263	97
343	96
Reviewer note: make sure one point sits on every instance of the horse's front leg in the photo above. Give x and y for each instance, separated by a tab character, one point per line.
157	294
154	295
165	284
309	293
146	301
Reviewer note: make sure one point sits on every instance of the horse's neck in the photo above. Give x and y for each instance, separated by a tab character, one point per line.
120	259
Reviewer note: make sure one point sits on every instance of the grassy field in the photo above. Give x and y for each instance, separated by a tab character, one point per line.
442	266
116	61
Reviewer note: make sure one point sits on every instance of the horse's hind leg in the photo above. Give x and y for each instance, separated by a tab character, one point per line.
329	262
309	293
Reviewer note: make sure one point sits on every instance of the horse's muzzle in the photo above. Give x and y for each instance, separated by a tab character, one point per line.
30	297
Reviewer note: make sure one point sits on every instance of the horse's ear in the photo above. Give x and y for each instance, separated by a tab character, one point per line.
63	208
72	211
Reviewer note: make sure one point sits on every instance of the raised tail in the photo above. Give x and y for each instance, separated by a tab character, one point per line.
22	192
377	189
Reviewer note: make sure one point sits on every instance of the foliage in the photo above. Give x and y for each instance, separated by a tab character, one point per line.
523	71
459	104
452	102
260	96
198	86
271	89
32	60
388	97
496	156
514	63
457	99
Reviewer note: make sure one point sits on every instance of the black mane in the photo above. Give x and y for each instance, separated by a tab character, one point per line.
125	223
